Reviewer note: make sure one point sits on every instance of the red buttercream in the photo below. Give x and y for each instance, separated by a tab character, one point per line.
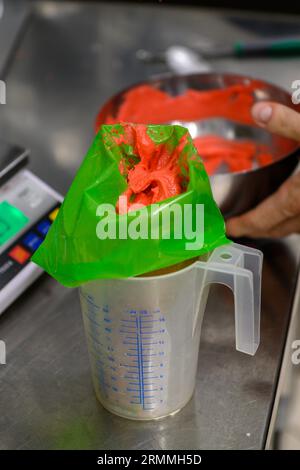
157	175
236	155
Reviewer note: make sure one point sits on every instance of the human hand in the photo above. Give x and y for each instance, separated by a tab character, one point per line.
279	214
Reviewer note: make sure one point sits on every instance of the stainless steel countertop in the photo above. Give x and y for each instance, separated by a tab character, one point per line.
72	57
13	16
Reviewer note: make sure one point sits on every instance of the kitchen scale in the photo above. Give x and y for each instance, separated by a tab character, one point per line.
28	206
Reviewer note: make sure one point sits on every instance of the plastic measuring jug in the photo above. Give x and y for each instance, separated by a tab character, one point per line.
143	333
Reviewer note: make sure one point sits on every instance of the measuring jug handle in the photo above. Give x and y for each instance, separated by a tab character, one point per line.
239	267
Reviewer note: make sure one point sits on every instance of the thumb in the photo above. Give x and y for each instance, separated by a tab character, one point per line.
278	119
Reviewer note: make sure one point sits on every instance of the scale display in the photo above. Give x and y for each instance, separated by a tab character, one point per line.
28	206
12	220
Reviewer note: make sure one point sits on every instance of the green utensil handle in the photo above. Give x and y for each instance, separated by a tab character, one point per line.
274	47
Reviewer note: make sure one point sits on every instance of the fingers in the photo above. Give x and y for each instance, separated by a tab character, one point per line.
288	227
277	118
277	214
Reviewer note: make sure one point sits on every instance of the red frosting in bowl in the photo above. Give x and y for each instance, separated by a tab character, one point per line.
145	104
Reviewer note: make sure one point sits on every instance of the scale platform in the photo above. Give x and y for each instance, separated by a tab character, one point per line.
28	206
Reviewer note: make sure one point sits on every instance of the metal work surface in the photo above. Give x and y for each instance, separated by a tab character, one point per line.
13	16
72	57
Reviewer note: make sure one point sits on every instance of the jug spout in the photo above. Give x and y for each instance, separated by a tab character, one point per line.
239	268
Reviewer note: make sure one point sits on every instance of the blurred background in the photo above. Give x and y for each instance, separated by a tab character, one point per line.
290	7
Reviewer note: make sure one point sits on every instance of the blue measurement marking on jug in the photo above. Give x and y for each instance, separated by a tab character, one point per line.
128	354
143	336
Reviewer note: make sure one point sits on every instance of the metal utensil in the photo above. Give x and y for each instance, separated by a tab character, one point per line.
179	59
270	47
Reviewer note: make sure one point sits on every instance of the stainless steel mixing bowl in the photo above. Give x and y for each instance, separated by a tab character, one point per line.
237	192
